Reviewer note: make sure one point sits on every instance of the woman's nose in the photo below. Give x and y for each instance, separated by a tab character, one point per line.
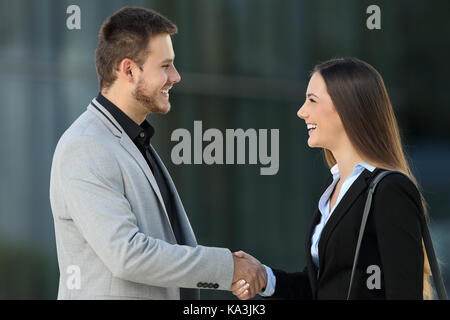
301	112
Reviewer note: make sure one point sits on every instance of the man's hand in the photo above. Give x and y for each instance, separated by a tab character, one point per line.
250	276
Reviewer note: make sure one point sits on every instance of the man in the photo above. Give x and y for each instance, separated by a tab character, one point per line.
119	221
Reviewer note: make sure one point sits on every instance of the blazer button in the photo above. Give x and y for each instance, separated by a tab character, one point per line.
216	285
210	285
200	284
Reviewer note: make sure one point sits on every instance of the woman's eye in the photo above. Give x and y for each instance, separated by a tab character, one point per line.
312	100
165	66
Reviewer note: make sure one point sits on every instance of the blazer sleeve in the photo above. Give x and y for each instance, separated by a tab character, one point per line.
292	286
397	211
92	185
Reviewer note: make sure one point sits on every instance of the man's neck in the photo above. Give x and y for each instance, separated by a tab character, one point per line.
125	103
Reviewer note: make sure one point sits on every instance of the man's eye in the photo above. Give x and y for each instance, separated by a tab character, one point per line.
312	100
165	66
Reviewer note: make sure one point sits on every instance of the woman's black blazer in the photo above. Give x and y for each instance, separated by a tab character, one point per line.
392	242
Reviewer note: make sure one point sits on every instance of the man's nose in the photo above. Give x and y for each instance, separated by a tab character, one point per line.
174	76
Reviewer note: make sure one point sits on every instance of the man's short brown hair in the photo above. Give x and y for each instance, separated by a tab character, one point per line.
125	35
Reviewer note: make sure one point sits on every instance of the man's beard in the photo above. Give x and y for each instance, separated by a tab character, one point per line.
150	100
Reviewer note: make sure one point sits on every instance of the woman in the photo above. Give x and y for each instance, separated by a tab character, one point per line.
348	114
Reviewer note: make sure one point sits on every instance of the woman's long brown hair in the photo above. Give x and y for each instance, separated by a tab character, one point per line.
362	102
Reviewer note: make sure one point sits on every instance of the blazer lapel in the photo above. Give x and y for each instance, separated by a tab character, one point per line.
312	269
128	145
356	189
186	228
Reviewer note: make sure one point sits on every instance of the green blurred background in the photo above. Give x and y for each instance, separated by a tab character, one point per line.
244	64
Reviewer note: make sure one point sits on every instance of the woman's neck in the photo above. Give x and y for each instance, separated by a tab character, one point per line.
347	158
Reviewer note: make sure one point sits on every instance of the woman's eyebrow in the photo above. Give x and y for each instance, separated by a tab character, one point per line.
312	94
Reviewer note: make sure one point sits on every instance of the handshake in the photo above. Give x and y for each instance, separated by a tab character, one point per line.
250	276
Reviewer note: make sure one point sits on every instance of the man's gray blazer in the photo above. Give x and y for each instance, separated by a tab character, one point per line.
112	230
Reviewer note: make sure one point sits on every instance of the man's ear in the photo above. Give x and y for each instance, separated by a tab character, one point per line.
126	67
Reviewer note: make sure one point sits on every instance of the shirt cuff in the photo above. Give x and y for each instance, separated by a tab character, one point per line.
271	282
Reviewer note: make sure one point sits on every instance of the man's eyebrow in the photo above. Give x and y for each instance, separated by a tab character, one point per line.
169	60
312	94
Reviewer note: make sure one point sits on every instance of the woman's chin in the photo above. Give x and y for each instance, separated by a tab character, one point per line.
312	143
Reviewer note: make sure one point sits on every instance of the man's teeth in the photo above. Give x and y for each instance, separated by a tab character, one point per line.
165	91
311	126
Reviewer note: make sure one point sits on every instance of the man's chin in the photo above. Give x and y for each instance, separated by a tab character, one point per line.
159	109
165	109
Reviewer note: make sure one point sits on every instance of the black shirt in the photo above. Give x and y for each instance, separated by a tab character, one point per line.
141	135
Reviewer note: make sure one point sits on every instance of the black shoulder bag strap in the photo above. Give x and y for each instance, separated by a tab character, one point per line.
437	277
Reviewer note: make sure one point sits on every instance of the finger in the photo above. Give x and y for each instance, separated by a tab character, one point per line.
253	290
241	290
239	254
244	296
237	285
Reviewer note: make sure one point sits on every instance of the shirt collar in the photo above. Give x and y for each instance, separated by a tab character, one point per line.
141	132
360	166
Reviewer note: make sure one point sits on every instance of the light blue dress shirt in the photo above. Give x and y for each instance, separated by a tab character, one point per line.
324	208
